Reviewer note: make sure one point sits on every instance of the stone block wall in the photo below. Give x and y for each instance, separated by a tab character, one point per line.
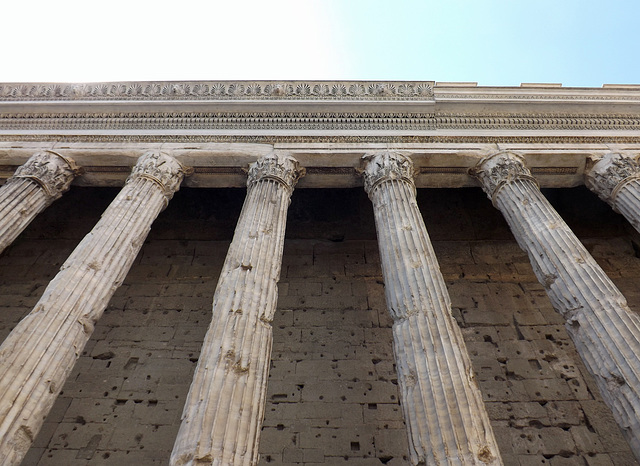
332	394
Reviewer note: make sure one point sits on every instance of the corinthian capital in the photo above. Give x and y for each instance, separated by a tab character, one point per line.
610	173
499	169
50	170
276	166
386	165
162	169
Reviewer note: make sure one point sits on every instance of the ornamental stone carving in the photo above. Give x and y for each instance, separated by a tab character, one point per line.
52	171
277	166
222	90
162	169
499	169
384	166
610	173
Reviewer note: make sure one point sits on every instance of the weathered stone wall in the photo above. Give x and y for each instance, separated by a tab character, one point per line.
332	396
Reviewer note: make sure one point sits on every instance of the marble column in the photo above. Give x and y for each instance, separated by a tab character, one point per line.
615	178
446	419
35	185
39	354
225	406
605	331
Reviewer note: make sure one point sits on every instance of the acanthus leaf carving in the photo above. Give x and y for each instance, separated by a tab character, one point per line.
278	166
52	171
386	165
610	173
162	169
499	169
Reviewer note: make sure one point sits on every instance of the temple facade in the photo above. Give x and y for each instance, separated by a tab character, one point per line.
364	273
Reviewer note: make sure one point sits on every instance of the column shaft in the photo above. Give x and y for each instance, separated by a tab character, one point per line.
615	178
605	331
443	408
34	186
223	413
40	352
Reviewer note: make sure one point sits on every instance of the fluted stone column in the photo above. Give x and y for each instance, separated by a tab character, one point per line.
35	185
615	178
443	408
38	355
223	413
606	333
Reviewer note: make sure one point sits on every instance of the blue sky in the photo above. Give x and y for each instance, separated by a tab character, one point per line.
492	42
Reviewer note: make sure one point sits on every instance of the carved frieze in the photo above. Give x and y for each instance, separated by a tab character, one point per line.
277	166
50	170
499	169
386	165
264	90
161	168
609	173
222	90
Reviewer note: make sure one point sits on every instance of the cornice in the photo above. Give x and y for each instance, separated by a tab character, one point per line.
263	107
541	93
301	90
219	90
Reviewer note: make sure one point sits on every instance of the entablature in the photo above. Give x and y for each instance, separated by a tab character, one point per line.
328	164
219	127
287	108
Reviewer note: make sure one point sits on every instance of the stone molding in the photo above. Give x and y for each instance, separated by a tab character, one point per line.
610	173
162	169
499	169
555	94
378	167
311	105
248	120
397	121
277	166
221	90
51	170
322	139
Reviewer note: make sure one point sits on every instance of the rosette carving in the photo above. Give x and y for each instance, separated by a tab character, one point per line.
499	169
277	166
610	173
52	171
162	169
384	166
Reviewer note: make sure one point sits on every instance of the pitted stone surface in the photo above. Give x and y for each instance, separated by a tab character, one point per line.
225	406
40	352
161	312
443	408
603	328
